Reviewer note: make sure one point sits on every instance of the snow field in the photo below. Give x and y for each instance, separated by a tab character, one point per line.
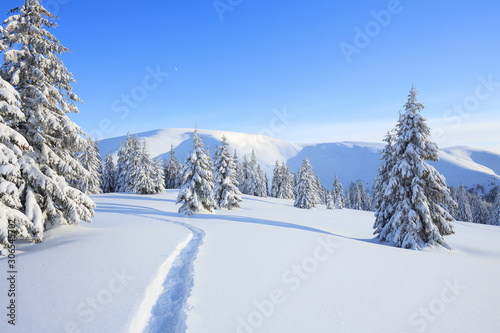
268	267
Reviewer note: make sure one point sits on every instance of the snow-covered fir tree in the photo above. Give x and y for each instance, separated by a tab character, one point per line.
276	180
355	197
338	193
158	177
172	171
383	205
143	173
347	199
244	174
108	183
253	183
321	191
121	169
330	204
480	213
12	147
226	192
262	186
496	211
196	194
237	169
286	188
418	190
366	201
91	160
31	65
307	195
295	183
464	210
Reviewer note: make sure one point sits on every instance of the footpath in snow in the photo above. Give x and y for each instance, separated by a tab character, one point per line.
268	267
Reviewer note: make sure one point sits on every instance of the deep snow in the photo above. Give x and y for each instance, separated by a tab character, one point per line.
267	267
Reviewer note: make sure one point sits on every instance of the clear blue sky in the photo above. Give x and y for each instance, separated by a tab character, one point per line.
263	57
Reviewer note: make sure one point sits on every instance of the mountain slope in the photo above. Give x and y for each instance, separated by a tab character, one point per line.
350	160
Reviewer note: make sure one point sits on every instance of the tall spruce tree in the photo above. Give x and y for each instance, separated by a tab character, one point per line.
496	211
286	188
226	192
338	193
172	171
158	177
464	210
12	148
330	204
384	205
480	213
196	194
32	67
91	160
418	190
276	180
108	184
307	194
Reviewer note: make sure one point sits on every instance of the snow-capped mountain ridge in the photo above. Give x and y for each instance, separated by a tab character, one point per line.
349	160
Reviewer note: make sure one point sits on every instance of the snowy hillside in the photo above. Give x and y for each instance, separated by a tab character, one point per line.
350	160
267	267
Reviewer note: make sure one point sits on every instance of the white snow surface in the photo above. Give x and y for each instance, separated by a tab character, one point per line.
350	160
268	267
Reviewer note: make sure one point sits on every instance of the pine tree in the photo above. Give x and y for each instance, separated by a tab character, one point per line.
196	193
32	67
418	190
480	213
384	205
226	191
121	170
338	193
264	183
237	169
286	188
12	147
366	201
496	211
244	175
143	172
276	181
347	199
321	192
329	201
464	211
108	183
91	160
307	195
158	177
172	171
355	198
252	181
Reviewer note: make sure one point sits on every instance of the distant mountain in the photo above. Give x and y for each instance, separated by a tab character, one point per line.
349	160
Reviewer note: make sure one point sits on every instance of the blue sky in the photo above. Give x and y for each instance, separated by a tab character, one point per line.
282	69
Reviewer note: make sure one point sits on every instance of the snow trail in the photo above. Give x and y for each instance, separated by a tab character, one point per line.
164	308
